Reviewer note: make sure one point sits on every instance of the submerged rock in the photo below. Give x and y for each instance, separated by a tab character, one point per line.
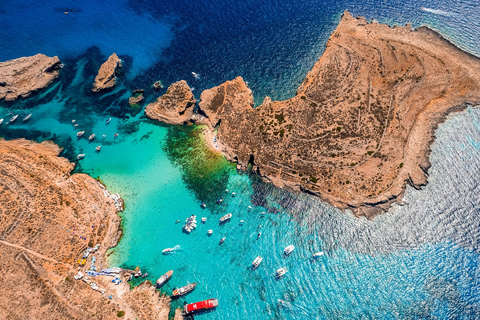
106	77
175	106
20	77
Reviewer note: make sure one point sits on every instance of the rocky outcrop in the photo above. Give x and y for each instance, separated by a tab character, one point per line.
175	106
20	77
360	125
48	217
106	77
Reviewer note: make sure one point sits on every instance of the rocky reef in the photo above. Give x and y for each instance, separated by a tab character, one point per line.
360	125
106	77
48	217
174	107
20	77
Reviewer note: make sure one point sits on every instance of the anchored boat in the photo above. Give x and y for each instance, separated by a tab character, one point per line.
200	306
80	134
164	279
280	272
167	251
98	148
12	119
222	240
184	290
256	262
27	117
80	156
317	255
225	218
91	137
288	249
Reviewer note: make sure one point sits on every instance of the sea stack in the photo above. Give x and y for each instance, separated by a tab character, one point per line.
106	77
175	106
20	77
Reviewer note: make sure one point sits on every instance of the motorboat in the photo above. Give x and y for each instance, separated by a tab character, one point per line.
167	251
196	76
1	121
203	205
256	262
222	240
80	156
241	222
12	119
75	125
204	219
233	194
259	234
98	148
280	272
249	208
210	232
145	275
104	136
130	277
184	290
115	135
138	273
263	213
73	121
80	134
318	254
200	306
164	279
108	120
27	117
289	249
226	218
92	136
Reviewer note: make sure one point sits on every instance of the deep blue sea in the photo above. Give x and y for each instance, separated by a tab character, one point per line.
418	261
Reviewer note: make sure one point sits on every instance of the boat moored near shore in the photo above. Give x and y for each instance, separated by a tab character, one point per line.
184	290
200	306
164	279
226	218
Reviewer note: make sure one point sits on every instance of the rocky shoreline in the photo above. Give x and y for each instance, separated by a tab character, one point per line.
361	124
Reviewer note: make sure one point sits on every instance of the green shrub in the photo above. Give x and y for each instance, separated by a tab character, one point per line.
120	314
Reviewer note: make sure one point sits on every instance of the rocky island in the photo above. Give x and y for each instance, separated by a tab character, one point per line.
48	218
20	77
362	122
106	77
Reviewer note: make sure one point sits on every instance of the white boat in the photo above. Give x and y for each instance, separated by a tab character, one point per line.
222	240
104	136
108	120
81	156
249	208
318	254
73	121
288	249
204	219
12	119
280	272
242	222
98	148
209	232
167	251
256	262
203	205
263	212
27	117
226	217
196	76
233	194
80	134
92	136
1	121
75	125
163	279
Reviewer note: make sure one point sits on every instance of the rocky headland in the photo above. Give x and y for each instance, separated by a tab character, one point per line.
48	218
362	122
107	74
20	77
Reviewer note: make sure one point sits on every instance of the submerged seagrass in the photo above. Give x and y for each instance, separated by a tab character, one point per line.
362	122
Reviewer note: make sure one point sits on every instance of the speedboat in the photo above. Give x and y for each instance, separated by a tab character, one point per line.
263	213
204	219
80	156
280	272
163	279
222	240
226	218
318	254
184	290
196	76
167	251
241	222
108	120
12	119
288	249
249	208
256	262
73	121
80	134
92	136
233	194
98	148
115	135
200	306
27	117
145	275
1	121
209	232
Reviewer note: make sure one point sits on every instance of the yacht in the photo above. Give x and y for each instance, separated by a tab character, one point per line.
12	119
184	290
81	156
280	272
222	240
288	249
210	232
92	136
80	134
167	251
163	279
226	217
318	254
256	262
27	117
98	148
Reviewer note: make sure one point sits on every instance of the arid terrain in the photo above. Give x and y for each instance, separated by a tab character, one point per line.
107	74
48	217
362	122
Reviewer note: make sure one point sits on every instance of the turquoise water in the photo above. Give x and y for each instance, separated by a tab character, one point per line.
418	261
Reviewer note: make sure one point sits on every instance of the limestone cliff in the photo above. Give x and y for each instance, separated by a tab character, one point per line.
106	77
20	77
174	107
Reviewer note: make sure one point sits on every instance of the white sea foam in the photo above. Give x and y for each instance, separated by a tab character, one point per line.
440	12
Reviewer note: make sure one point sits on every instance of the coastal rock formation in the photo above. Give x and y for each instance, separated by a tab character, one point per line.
360	125
106	77
175	106
45	214
20	77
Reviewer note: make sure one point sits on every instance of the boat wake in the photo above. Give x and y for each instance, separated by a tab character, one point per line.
439	12
177	248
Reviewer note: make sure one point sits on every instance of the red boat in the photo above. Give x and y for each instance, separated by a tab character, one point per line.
200	306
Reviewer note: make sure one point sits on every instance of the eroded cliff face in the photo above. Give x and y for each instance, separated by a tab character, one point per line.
20	77
174	107
106	77
44	214
362	122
